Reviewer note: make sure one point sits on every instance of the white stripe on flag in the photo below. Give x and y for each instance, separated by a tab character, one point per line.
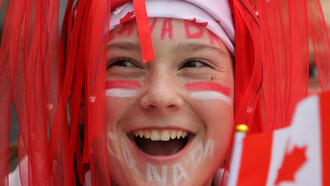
211	95
120	92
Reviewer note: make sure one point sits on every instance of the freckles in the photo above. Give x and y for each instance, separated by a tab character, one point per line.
167	28
122	88
193	30
206	91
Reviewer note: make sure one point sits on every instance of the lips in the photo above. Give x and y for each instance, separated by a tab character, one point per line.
161	142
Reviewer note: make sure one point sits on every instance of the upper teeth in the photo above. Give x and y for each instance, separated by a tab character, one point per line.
160	135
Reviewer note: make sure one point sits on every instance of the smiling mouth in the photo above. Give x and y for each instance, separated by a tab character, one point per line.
161	142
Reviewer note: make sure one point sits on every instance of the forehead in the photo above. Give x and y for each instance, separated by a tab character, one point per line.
167	29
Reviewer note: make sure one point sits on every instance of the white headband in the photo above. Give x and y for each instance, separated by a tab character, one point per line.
216	13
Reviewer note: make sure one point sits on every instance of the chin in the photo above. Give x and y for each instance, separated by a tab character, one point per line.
171	157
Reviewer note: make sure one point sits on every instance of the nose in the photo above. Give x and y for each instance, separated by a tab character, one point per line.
162	95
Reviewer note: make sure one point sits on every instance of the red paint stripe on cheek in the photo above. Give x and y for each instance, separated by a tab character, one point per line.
122	84
200	86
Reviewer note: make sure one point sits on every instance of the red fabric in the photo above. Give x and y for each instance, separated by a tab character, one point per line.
325	137
271	66
292	162
252	145
248	66
10	41
143	30
321	42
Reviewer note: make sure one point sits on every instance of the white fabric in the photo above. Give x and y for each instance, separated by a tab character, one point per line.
211	11
304	131
236	156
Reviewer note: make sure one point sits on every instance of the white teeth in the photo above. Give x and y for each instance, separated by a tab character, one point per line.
173	134
165	135
160	135
154	135
140	133
146	134
178	134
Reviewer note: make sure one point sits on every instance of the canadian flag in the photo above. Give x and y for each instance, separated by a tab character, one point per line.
296	155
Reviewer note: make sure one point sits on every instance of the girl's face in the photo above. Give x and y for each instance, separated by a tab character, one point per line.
169	120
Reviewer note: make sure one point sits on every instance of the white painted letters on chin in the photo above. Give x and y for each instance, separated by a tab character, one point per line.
130	162
200	152
178	174
166	174
152	174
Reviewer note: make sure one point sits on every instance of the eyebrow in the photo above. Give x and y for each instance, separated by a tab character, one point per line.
182	47
193	47
126	46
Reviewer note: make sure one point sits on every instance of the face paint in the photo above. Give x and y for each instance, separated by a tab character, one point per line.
179	173
152	25
110	138
152	172
214	40
193	30
128	158
127	30
122	88
200	152
209	91
167	28
147	162
196	154
209	149
204	24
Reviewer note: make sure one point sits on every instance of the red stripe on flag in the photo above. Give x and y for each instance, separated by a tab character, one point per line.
325	137
255	160
200	86
122	84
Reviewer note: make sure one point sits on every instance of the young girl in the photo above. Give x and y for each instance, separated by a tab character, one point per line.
169	120
153	84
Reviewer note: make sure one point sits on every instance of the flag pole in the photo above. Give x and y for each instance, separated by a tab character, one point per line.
241	131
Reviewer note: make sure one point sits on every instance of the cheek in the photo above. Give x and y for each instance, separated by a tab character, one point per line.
120	95
218	119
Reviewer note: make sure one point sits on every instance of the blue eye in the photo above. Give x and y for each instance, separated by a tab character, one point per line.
194	64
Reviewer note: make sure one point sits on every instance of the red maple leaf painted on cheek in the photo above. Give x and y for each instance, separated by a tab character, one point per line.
292	162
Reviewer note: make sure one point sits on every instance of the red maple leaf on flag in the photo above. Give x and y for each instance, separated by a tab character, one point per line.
292	162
